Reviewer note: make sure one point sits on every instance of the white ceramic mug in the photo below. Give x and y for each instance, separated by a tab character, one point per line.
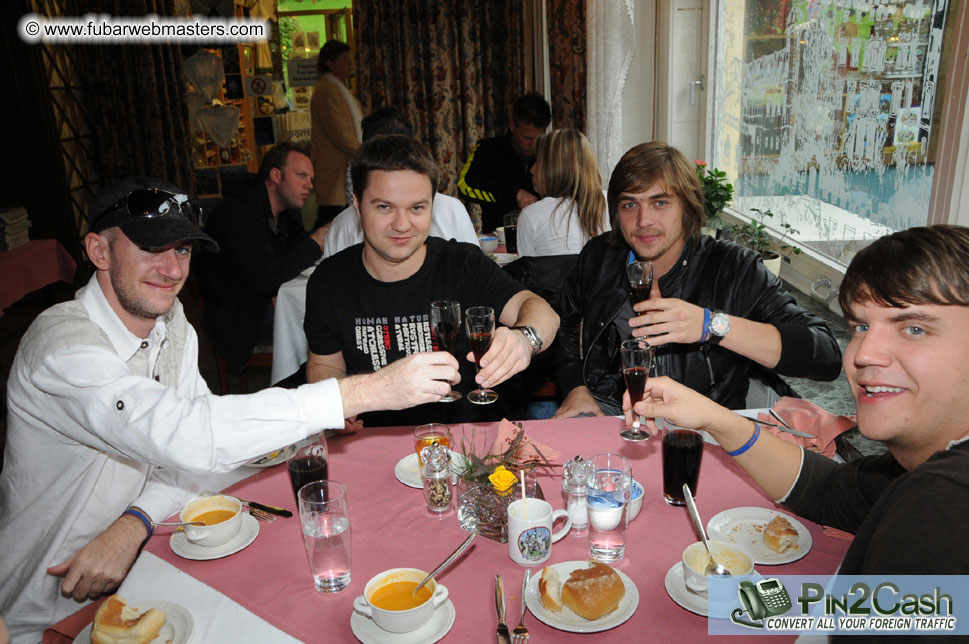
530	539
400	621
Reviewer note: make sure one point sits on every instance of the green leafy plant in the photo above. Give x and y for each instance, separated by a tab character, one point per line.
754	235
717	193
473	467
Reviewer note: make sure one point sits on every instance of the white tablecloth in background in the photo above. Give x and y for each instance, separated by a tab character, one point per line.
290	349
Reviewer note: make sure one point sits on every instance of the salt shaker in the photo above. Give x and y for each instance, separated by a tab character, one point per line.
437	481
574	486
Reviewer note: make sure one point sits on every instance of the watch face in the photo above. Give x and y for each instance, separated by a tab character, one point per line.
720	324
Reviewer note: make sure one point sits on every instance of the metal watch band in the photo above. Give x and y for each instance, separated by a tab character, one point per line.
532	336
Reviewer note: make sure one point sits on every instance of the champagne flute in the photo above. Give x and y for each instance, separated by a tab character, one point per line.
445	323
636	362
479	322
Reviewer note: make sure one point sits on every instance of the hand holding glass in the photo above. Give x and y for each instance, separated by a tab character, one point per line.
636	362
479	321
445	324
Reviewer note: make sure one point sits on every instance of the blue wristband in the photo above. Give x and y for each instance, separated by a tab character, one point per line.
750	442
144	519
705	335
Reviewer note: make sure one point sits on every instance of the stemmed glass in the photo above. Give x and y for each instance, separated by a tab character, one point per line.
636	362
445	324
479	322
640	276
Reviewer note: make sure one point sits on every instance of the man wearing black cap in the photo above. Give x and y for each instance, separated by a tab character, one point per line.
110	424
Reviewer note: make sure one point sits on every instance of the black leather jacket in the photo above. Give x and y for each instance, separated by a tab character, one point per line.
712	274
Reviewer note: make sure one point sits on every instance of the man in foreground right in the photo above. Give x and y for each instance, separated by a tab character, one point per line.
906	300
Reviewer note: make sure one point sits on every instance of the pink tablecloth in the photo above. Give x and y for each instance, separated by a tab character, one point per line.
272	579
34	265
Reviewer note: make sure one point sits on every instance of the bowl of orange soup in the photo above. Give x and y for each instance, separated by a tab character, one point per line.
221	514
389	600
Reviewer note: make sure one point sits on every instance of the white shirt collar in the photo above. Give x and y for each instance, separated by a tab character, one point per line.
125	343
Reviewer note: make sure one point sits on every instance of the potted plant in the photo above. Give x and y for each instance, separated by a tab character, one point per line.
488	483
717	193
755	236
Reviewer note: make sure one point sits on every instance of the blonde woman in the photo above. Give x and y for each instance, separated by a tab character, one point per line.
574	208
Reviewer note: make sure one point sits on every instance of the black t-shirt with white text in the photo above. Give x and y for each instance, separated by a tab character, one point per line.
374	323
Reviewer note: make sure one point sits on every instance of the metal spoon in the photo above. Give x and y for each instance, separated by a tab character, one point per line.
447	562
713	568
155	523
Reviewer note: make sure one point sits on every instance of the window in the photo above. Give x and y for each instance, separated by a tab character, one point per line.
826	114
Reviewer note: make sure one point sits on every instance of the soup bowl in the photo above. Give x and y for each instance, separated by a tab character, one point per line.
737	560
386	600
221	514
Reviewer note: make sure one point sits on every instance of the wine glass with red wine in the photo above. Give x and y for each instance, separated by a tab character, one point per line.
310	463
445	324
640	276
636	361
479	322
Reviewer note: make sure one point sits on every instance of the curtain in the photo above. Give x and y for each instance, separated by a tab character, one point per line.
454	67
610	31
133	98
566	62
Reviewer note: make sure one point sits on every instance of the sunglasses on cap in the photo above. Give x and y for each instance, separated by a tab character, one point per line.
152	202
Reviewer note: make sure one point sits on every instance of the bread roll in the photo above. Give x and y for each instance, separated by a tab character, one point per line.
593	592
780	535
118	623
550	589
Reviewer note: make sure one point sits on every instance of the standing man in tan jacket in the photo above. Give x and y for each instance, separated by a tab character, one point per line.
335	116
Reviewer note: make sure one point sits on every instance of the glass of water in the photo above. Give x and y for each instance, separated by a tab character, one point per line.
325	518
608	494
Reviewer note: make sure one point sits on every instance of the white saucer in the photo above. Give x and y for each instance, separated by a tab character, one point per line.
678	592
408	473
745	527
177	629
503	258
440	623
565	619
184	548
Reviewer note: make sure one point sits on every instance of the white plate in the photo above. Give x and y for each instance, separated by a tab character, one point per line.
177	629
440	623
676	588
503	258
184	548
745	527
408	473
274	458
565	619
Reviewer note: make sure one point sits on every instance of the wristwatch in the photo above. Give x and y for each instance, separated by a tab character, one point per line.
719	327
532	336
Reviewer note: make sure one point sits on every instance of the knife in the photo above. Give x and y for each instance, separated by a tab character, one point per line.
503	636
789	430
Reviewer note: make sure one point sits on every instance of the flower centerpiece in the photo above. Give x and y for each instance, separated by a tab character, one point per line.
717	192
489	482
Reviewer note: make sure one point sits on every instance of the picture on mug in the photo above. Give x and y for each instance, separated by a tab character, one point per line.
534	543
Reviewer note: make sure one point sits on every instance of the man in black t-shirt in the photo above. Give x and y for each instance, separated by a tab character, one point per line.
369	305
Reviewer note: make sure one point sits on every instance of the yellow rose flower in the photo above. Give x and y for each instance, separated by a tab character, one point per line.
503	480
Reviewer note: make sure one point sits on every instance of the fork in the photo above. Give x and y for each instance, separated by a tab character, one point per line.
520	634
261	515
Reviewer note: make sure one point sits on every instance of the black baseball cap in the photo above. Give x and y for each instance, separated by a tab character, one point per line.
151	213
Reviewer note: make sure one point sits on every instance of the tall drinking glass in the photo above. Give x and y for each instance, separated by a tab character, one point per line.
479	322
308	464
682	454
325	518
636	362
445	324
608	495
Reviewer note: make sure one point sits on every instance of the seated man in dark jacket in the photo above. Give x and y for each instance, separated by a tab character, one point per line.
260	231
713	310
